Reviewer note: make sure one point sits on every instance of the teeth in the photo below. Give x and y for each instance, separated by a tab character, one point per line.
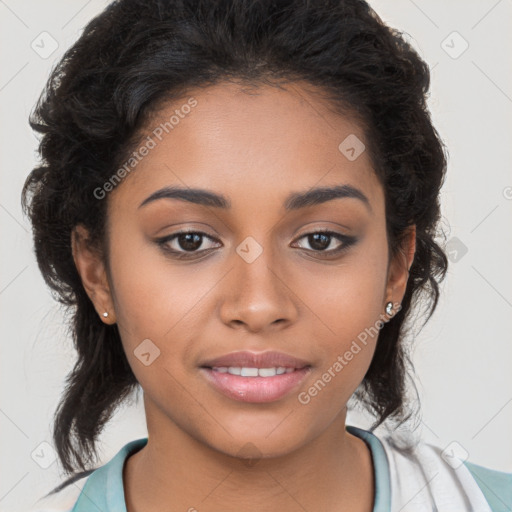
253	372
248	372
267	372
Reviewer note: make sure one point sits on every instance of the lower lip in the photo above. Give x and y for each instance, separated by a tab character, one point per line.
255	389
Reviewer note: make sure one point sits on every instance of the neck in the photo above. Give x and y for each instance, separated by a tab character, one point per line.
332	472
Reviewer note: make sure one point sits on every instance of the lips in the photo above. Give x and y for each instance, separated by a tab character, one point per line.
246	359
255	377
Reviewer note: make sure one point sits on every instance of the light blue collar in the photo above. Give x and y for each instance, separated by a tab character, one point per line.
380	468
104	491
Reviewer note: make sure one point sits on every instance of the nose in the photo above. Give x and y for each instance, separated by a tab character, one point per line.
258	296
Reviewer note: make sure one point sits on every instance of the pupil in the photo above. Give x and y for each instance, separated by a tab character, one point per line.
314	240
192	241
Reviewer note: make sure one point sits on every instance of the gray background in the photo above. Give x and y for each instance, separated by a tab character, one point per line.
463	356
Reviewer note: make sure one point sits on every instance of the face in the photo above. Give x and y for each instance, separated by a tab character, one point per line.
267	266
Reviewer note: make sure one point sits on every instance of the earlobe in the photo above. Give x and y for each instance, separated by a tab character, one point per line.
91	268
399	267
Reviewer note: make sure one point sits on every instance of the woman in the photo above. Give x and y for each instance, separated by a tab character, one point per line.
239	201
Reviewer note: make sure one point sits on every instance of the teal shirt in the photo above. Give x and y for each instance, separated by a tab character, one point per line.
104	488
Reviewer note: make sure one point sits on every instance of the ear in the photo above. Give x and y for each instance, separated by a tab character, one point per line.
91	268
398	272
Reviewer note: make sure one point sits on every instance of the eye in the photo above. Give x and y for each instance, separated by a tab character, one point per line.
184	243
320	241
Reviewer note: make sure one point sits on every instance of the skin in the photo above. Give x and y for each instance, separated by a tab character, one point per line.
255	149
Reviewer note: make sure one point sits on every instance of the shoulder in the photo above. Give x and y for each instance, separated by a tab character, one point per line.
63	497
425	475
102	486
495	485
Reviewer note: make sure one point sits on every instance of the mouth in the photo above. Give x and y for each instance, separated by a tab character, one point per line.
253	372
255	377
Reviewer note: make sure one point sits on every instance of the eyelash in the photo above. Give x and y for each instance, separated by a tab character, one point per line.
348	241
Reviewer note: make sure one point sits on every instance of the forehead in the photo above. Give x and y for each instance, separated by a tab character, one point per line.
263	140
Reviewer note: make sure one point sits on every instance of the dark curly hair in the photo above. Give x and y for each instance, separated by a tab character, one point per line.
138	54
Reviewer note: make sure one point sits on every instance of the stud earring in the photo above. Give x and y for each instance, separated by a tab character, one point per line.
105	314
389	308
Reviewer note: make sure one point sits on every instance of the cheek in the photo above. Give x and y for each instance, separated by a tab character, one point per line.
347	297
347	309
160	300
149	293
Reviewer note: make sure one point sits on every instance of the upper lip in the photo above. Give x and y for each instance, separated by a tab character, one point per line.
246	359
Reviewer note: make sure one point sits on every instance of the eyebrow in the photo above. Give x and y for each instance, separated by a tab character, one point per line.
294	201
